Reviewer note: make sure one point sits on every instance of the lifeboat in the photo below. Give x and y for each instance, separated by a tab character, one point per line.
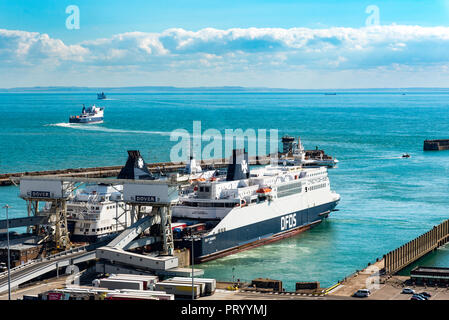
264	190
213	179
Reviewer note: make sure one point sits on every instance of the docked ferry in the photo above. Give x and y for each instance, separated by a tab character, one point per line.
95	212
308	158
92	114
248	208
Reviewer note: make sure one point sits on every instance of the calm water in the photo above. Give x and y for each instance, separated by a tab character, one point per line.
385	200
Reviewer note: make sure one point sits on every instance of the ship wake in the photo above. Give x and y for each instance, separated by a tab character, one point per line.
88	127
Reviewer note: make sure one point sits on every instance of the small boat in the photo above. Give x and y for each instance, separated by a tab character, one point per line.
92	114
101	96
405	155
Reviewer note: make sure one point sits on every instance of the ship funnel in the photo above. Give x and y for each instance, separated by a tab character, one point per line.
238	168
135	168
191	166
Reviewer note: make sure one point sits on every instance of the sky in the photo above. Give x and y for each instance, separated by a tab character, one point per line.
264	43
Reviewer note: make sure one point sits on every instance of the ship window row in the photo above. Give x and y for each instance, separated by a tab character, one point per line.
289	186
210	204
99	229
289	192
204	189
110	207
318	186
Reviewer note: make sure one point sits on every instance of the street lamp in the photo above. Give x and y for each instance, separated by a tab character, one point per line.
9	262
193	261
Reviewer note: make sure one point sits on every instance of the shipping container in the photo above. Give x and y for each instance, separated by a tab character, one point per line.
179	289
201	284
148	281
121	284
211	284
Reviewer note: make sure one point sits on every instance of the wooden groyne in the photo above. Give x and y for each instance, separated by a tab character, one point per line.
403	256
113	171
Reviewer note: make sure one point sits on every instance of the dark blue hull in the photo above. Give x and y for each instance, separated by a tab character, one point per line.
86	120
92	239
232	241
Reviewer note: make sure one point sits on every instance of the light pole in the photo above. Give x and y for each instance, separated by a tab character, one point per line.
193	261
9	262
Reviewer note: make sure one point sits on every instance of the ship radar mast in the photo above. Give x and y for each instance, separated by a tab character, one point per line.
191	165
299	154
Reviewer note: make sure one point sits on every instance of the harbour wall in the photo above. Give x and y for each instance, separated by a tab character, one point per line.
436	145
408	253
113	171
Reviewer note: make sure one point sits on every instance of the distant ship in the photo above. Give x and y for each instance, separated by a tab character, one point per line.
92	114
101	96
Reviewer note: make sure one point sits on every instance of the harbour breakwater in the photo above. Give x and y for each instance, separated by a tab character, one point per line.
113	171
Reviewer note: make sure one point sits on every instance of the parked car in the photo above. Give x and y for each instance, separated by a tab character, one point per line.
417	297
408	291
362	293
425	294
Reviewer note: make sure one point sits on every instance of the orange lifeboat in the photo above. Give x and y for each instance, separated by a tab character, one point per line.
264	190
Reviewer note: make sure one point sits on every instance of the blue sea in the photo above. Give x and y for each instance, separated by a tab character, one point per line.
386	200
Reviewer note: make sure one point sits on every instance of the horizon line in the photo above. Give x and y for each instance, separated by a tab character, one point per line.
227	87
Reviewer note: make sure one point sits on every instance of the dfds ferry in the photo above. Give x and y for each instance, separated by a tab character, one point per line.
92	114
250	208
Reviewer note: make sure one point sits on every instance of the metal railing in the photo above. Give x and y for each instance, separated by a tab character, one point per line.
43	259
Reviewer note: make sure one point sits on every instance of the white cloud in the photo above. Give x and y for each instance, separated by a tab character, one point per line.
237	50
31	47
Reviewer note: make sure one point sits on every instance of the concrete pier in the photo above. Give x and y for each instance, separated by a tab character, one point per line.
408	253
379	273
